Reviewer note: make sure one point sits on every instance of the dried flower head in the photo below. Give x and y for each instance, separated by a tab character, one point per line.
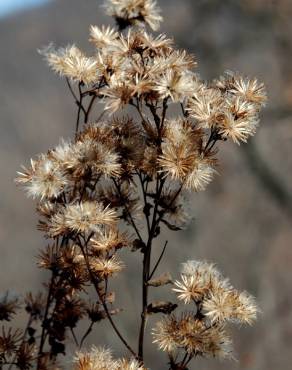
248	89
237	128
25	356
193	336
71	62
134	12
45	179
103	37
131	364
230	305
95	359
200	176
101	359
176	85
109	240
85	217
35	305
105	267
9	304
9	341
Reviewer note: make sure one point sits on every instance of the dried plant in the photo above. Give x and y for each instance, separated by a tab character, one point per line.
116	184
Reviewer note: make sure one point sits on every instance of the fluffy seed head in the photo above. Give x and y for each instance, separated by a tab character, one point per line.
191	335
71	62
84	217
106	267
44	179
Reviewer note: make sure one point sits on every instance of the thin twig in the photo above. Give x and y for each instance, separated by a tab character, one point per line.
88	331
127	210
158	261
164	109
74	95
71	90
100	116
95	284
140	113
86	118
79	109
183	110
44	323
146	204
74	337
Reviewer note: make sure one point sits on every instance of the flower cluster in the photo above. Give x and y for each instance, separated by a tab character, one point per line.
102	359
193	336
148	73
202	331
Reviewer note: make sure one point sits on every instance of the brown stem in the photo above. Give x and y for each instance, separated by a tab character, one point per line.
95	95
77	101
79	109
164	109
146	270
74	337
183	110
146	204
45	319
88	331
160	181
140	113
86	116
156	117
145	274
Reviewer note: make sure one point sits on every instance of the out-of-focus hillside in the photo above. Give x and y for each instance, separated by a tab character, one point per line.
242	221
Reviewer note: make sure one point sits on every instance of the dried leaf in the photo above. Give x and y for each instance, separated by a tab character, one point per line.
163	279
161	307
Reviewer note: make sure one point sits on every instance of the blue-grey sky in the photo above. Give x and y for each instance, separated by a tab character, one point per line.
9	6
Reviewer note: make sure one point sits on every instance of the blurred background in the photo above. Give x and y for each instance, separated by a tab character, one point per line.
242	221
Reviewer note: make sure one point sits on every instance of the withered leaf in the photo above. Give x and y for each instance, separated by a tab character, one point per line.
161	307
161	280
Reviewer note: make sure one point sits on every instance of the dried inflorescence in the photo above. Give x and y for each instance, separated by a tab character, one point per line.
193	336
9	304
211	302
203	285
119	180
102	359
